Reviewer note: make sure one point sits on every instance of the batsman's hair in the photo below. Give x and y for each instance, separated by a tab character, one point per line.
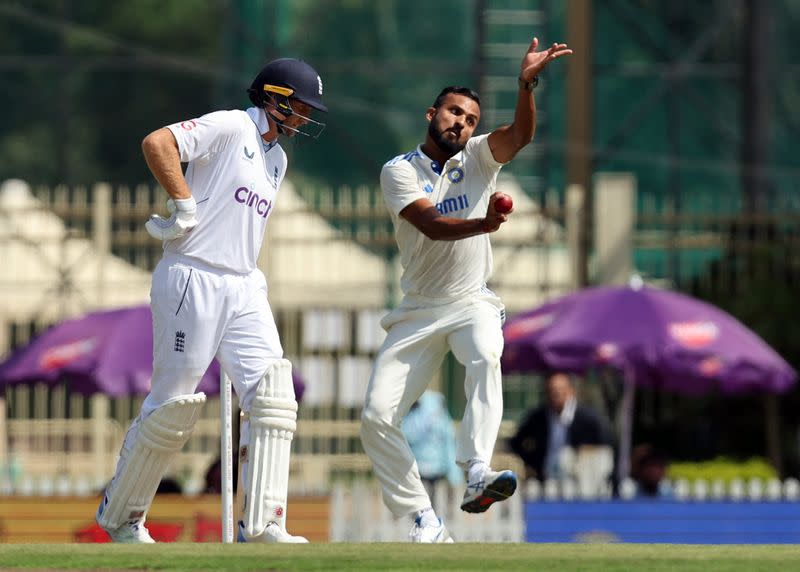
458	90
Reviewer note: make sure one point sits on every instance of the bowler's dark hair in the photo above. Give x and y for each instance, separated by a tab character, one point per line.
458	90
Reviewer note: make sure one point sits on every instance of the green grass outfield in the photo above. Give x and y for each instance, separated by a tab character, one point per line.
353	557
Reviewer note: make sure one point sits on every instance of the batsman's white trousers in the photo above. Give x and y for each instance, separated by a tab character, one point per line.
199	312
420	332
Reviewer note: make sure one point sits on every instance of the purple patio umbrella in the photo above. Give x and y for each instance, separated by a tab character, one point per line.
109	352
656	338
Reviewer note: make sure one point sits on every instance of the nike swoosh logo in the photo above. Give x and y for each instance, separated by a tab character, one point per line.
249	155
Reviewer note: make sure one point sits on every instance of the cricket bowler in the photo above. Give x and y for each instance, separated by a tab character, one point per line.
443	206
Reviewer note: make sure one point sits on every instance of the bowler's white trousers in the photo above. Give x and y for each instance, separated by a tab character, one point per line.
199	312
420	332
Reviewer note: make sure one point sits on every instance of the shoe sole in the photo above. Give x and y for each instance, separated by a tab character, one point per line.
500	490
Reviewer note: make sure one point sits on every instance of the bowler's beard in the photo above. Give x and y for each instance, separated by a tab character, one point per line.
449	147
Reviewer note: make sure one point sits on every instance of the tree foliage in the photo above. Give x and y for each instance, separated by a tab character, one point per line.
85	81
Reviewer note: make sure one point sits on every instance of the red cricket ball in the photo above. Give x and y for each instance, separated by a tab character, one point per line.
503	204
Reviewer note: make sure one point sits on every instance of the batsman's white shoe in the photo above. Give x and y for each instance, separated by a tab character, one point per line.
492	487
128	533
131	534
272	534
428	534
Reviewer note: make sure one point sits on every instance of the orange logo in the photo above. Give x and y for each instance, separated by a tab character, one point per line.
528	326
694	335
64	354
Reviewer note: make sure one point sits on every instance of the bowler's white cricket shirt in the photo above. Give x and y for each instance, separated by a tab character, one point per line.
460	189
234	177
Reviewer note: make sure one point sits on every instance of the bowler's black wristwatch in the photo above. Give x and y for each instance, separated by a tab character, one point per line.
528	85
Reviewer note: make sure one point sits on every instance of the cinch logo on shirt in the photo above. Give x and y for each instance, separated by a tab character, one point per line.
244	196
452	204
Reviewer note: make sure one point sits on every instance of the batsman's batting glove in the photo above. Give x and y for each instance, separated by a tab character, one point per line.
182	220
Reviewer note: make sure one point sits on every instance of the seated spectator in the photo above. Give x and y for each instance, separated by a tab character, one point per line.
558	423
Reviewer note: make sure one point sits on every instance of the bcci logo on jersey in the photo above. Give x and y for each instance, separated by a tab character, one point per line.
456	175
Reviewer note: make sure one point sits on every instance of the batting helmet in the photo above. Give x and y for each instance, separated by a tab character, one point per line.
285	78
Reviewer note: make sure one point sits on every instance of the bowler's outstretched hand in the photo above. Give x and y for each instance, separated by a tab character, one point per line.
534	62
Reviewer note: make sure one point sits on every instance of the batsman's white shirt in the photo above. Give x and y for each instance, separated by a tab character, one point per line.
235	183
460	189
208	298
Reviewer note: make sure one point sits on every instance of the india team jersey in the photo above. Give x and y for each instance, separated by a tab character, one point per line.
460	189
234	177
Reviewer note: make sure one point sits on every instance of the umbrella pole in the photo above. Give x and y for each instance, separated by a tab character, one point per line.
626	425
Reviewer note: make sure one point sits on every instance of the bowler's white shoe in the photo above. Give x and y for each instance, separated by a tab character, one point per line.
492	487
272	534
129	533
429	534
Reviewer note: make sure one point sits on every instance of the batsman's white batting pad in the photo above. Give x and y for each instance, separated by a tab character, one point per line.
144	461
272	421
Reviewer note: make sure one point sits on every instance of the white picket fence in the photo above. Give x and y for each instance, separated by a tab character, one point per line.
680	489
359	515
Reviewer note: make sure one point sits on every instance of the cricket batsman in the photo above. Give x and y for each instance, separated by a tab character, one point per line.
443	206
209	300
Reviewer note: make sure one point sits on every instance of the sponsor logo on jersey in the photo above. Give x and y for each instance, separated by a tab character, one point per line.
453	204
249	155
694	335
428	188
246	197
456	175
188	125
